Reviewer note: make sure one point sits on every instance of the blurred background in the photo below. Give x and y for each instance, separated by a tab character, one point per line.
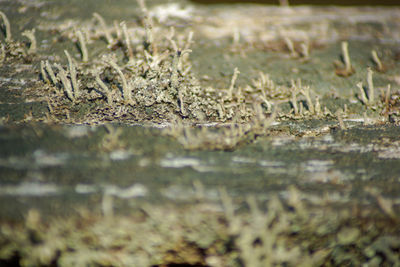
310	2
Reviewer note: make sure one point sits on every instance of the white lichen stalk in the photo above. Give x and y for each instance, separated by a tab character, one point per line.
7	26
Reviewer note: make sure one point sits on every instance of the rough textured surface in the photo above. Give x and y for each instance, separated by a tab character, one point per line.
181	133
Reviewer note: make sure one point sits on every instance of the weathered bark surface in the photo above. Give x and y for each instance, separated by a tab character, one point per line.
222	171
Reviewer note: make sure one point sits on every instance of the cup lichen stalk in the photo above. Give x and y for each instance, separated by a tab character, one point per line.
7	30
65	82
50	71
176	62
339	115
290	46
236	72
236	37
117	30
43	72
2	53
181	106
107	205
371	90
318	110
346	58
127	41
221	110
306	92
365	119
51	110
148	25
387	96
103	25
126	92
264	98
189	41
30	34
301	108
377	61
72	72
305	49
294	90
82	46
364	98
105	89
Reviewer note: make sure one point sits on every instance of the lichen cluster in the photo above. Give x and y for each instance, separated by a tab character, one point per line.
291	233
143	74
150	86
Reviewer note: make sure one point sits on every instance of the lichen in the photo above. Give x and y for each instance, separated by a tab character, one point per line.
271	233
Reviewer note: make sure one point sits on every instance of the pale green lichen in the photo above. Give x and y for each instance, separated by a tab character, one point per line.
272	233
